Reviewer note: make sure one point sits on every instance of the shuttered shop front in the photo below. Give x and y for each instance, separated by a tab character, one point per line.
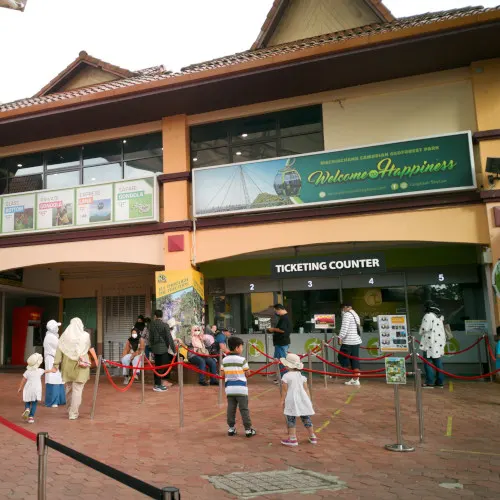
120	314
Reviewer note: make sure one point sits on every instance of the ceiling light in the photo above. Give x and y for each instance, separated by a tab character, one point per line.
93	179
238	153
19	165
244	136
124	141
195	159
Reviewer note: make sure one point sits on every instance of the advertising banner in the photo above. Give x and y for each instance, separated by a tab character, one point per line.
393	332
395	370
405	168
122	202
324	321
180	295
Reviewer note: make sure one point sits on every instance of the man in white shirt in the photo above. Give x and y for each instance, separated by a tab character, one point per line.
350	340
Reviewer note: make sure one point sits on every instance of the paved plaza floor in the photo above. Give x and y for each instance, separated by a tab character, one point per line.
459	458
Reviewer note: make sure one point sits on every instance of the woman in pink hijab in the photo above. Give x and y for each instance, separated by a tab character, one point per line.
202	362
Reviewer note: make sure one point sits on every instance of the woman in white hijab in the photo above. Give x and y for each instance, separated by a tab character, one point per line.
54	387
72	356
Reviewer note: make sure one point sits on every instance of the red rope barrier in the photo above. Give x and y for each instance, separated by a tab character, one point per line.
19	430
466	349
359	359
378	370
263	353
155	368
348	375
189	366
120	389
259	371
490	350
119	365
460	377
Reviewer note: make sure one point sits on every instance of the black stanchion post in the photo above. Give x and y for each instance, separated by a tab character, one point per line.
480	361
96	386
414	360
42	450
170	493
180	368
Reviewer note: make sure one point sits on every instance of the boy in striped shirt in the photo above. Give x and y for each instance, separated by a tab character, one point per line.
234	368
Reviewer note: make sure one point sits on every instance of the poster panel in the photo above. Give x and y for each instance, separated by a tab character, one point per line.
18	213
95	205
134	199
395	370
55	209
393	333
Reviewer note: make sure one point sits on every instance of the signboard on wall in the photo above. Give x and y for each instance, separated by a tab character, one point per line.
328	266
121	202
405	168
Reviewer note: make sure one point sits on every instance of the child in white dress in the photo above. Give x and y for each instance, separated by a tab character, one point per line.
296	400
31	385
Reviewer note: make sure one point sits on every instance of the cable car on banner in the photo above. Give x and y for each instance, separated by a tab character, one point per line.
288	181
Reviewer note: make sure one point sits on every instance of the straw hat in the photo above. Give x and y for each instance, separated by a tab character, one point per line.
34	361
292	361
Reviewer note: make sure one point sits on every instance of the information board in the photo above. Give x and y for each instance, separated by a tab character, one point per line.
393	333
324	321
476	327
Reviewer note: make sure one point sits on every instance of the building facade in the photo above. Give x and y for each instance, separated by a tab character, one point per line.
263	169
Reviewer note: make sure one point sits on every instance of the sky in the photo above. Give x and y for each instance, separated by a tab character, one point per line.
40	42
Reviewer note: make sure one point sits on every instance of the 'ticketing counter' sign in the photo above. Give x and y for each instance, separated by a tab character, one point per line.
328	266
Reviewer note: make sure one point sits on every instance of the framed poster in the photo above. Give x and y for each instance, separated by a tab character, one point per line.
18	214
95	205
393	333
55	209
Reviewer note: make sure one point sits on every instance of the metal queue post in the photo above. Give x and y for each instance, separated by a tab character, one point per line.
180	374
143	364
42	465
486	342
221	385
420	405
325	367
309	365
399	445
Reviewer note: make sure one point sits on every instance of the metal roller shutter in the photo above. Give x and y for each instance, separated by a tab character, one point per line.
120	314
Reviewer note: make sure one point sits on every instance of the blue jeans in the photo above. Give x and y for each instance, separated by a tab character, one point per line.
31	406
203	363
430	375
280	351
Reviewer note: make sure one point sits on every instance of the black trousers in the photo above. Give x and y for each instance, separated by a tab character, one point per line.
232	403
162	359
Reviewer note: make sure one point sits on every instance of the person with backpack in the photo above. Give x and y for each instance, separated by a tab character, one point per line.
350	340
220	343
160	342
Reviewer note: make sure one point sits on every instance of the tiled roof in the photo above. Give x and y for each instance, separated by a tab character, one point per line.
256	55
279	6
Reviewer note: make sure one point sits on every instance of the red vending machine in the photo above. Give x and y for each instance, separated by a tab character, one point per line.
27	332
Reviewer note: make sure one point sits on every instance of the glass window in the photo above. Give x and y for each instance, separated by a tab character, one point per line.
210	157
142	146
250	152
63	158
63	179
301	144
25	183
102	153
23	165
252	128
140	168
209	136
105	173
301	121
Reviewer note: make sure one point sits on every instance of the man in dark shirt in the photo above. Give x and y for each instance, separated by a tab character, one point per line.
160	340
281	334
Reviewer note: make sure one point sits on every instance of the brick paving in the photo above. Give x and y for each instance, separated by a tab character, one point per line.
145	441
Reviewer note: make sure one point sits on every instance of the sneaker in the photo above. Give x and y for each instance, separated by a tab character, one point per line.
25	415
250	432
277	382
313	439
204	384
73	417
231	431
214	382
289	442
31	420
159	388
55	406
439	386
427	386
352	382
126	380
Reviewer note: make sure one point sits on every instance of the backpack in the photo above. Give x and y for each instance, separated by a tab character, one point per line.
214	349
